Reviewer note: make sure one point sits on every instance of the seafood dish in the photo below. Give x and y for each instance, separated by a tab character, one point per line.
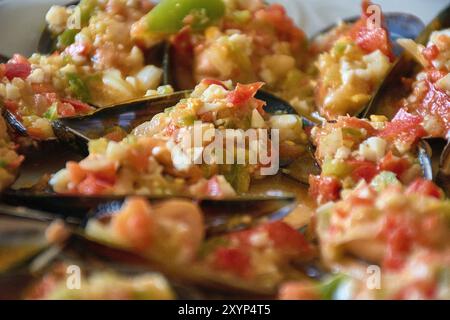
211	149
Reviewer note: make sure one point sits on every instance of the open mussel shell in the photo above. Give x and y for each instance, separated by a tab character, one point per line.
304	166
392	89
91	256
3	59
399	24
13	122
443	175
189	283
221	215
200	279
77	131
20	239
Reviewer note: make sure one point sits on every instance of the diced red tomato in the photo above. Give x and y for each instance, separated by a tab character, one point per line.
399	235
234	260
363	170
80	107
280	236
371	38
93	185
284	237
65	110
435	102
394	164
324	189
76	173
424	187
275	14
17	70
107	174
405	127
431	52
243	93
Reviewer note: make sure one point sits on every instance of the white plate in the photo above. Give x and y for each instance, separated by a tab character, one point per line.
21	21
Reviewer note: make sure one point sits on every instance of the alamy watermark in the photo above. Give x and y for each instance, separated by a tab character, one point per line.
204	144
374	19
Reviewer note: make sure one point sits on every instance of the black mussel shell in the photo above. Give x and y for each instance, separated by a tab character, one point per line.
3	59
221	215
13	122
443	175
20	240
424	154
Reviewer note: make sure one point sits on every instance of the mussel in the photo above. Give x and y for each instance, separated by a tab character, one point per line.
82	250
78	131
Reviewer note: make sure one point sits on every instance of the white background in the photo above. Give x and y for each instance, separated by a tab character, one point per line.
21	21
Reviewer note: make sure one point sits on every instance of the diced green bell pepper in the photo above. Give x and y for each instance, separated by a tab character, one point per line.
384	179
335	168
329	287
52	112
87	7
239	177
169	15
66	38
78	87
